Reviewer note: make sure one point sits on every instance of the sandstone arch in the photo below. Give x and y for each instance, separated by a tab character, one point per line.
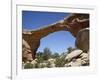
74	23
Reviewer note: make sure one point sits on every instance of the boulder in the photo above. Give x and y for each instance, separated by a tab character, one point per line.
84	56
85	59
73	54
77	62
52	61
52	65
74	63
67	65
82	39
42	65
34	62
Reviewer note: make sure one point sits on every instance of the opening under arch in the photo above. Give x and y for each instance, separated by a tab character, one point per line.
57	42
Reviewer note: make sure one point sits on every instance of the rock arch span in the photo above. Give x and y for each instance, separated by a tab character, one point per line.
73	23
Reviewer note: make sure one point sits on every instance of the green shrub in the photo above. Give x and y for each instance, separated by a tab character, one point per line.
28	66
60	62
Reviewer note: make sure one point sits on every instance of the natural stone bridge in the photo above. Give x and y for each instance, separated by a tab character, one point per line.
73	23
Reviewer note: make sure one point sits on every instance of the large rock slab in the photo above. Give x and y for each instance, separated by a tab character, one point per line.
73	54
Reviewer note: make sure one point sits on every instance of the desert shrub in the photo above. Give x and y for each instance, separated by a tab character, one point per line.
60	62
55	55
28	66
39	57
36	65
46	54
69	49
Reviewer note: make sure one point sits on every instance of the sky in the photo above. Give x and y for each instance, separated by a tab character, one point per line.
57	41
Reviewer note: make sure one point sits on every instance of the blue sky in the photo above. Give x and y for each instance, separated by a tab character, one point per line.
58	41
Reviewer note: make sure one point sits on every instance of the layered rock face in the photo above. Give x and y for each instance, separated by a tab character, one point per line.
26	52
76	24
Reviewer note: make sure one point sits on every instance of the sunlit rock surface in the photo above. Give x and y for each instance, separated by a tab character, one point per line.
75	23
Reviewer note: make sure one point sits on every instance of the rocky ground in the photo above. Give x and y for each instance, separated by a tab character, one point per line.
75	58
